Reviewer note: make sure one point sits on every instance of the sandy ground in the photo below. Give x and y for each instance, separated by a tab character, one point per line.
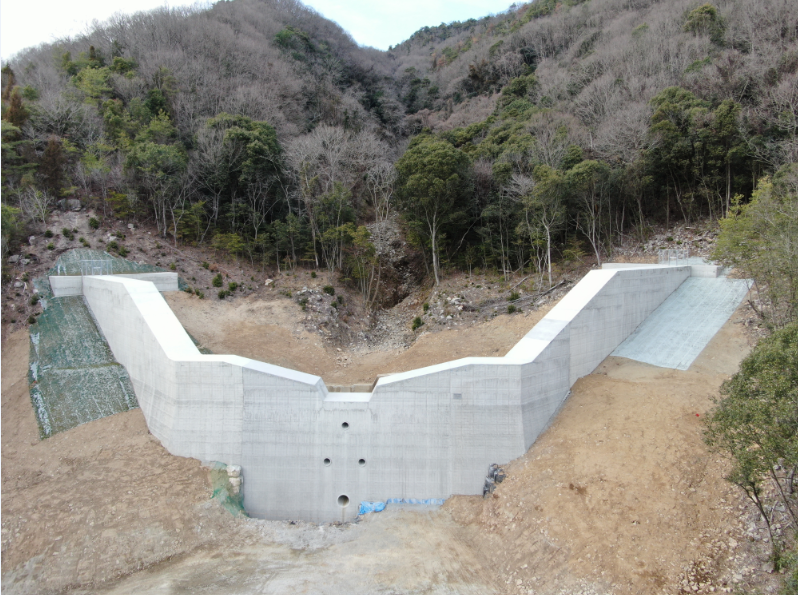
618	496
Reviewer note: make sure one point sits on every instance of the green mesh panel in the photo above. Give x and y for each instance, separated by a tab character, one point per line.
73	375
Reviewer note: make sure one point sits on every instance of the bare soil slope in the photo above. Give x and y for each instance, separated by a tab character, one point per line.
620	493
93	503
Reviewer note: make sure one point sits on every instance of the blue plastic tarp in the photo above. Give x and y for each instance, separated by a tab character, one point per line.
428	501
366	507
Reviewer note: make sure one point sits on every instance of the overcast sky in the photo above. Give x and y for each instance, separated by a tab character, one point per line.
25	23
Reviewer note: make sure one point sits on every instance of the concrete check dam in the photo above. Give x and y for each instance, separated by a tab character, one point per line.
314	455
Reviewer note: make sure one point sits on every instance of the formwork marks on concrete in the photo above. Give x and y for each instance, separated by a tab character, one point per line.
676	332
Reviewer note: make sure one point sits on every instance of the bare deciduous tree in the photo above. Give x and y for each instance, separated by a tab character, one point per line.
36	204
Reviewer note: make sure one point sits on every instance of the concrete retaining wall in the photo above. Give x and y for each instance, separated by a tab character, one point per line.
311	454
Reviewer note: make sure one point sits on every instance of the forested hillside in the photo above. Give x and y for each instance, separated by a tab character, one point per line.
503	143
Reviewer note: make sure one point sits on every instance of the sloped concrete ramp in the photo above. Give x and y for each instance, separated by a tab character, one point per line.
679	329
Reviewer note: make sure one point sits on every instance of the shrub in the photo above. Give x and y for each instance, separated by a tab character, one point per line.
123	251
34	299
513	296
172	266
113	245
25	276
94	223
223	294
426	307
304	303
511	309
200	294
51	246
48	233
340	300
205	265
313	274
417	322
31	319
329	290
755	424
232	286
217	280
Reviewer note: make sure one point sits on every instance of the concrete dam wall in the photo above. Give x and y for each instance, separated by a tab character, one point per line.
314	455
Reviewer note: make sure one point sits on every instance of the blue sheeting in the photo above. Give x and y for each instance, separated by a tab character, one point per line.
429	501
366	507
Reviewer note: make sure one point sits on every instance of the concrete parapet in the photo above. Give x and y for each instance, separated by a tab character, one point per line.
67	285
311	454
705	269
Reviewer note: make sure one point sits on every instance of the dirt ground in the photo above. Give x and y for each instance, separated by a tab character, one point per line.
262	330
618	496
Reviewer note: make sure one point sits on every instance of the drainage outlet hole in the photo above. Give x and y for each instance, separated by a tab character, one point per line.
345	426
327	462
343	500
362	462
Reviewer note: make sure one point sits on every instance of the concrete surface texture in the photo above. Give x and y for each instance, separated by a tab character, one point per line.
677	331
314	455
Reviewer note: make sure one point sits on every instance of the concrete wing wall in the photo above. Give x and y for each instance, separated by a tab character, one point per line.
581	330
193	403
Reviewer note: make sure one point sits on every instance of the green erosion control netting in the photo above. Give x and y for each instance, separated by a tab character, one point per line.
74	262
84	261
220	483
73	375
